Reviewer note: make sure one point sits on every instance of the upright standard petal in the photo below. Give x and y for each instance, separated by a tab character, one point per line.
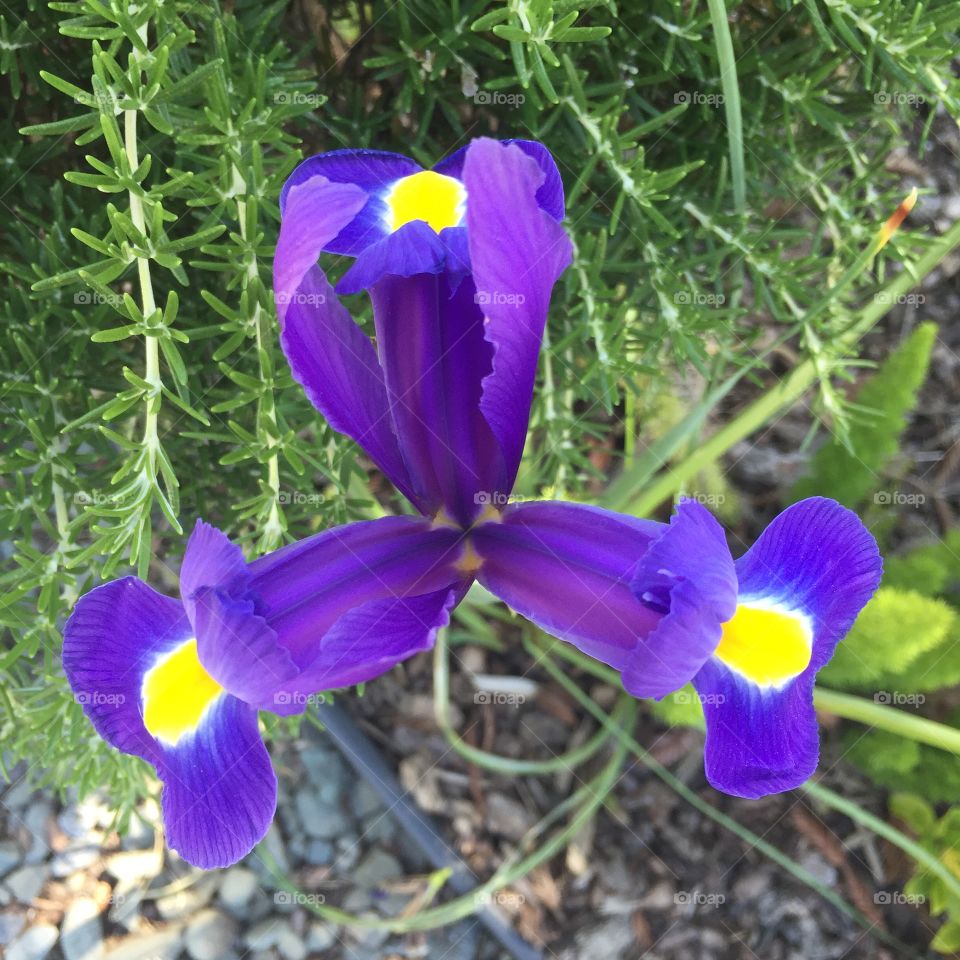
568	568
517	252
329	355
687	576
430	334
801	586
131	659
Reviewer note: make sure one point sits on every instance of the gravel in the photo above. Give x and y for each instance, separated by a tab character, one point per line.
81	934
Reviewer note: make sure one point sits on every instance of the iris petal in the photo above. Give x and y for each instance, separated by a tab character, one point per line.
567	567
688	576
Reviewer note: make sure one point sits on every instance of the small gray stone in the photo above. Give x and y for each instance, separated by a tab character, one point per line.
161	944
10	856
74	860
321	937
318	853
264	935
26	883
320	820
371	937
357	900
132	866
11	923
210	935
18	796
291	947
237	888
81	936
381	828
376	868
348	853
33	944
185	903
125	904
506	817
273	843
37	821
365	801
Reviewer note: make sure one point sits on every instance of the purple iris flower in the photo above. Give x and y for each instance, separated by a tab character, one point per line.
459	263
179	683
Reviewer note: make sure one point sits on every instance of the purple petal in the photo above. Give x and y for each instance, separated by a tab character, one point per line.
688	576
305	588
759	741
816	557
435	358
113	636
516	253
238	648
371	170
413	248
549	193
336	364
567	567
211	560
219	789
367	641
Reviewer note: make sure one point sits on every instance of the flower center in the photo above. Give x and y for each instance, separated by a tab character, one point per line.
428	196
176	693
766	643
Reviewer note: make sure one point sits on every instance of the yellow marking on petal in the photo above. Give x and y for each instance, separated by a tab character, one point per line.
428	196
766	645
470	562
176	693
897	218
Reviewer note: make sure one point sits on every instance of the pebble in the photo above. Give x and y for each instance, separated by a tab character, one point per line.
18	795
237	888
370	938
9	856
291	947
318	853
74	859
320	820
365	801
26	883
134	866
163	944
264	935
506	817
609	939
209	935
11	923
81	935
125	904
376	868
322	936
37	822
33	944
183	904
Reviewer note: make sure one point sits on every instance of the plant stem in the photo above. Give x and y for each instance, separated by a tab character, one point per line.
886	718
